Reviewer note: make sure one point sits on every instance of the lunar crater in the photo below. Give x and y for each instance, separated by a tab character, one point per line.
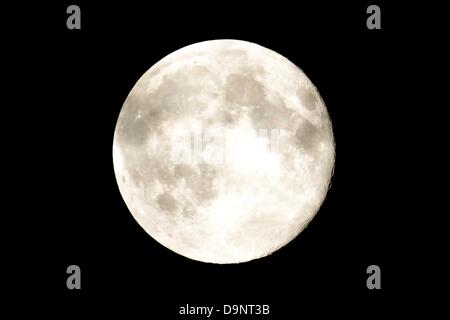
244	90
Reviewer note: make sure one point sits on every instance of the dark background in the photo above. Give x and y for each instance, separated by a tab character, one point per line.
80	79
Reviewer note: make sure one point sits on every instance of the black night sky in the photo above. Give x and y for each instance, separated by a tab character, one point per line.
82	78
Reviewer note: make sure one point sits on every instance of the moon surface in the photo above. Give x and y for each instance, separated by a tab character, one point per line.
223	151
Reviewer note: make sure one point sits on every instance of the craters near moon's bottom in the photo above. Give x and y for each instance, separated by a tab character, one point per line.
223	151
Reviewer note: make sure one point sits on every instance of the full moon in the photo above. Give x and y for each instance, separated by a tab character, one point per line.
223	151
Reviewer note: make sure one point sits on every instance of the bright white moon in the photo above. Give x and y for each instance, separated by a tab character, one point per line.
223	151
